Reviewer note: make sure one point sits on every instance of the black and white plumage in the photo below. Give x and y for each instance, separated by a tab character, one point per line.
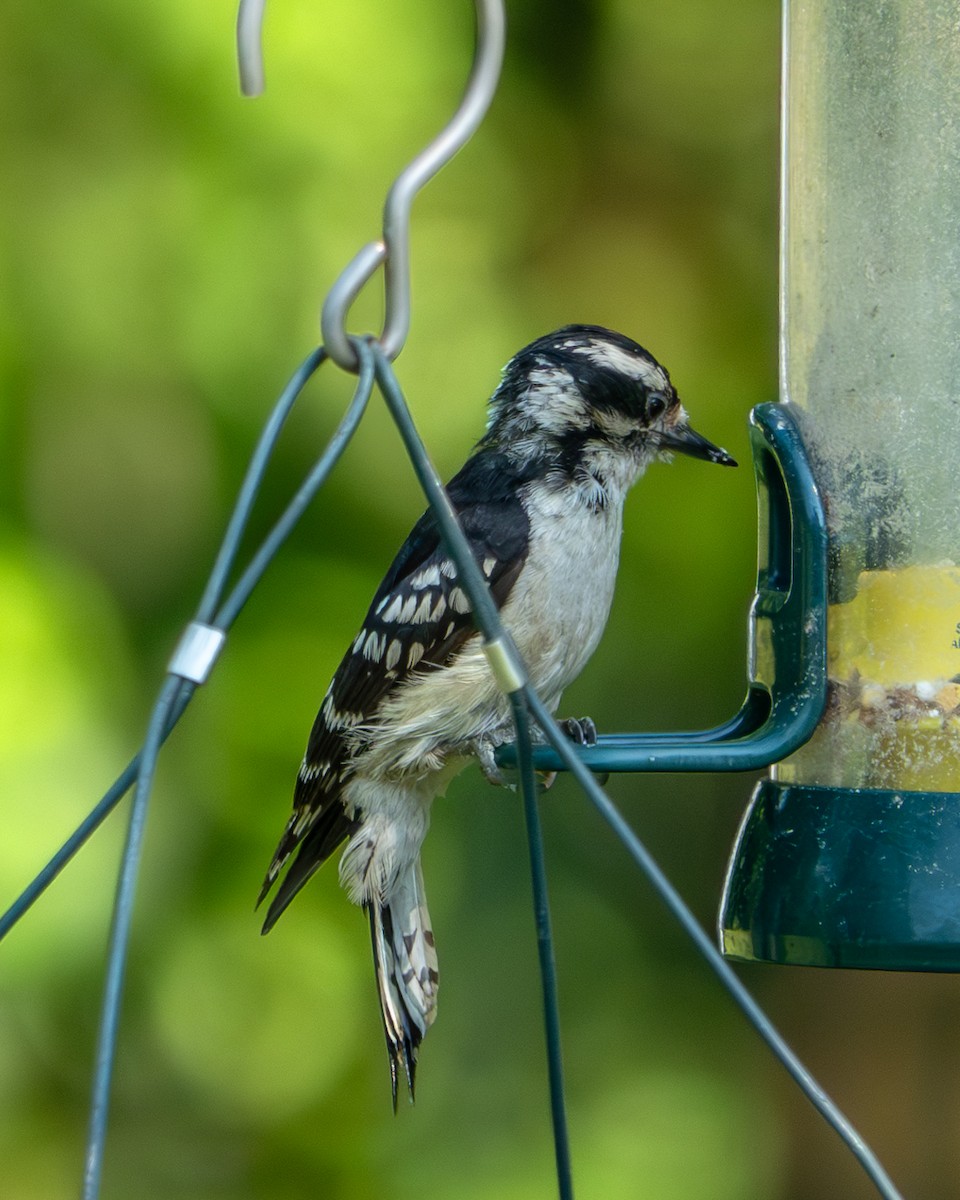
576	420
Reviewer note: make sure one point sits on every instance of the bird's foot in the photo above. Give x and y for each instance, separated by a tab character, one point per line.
582	732
485	749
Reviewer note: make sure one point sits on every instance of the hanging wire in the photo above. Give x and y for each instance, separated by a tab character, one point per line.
171	693
548	966
814	1092
208	612
392	251
488	621
172	702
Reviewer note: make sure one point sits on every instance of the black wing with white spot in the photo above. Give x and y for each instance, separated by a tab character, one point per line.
418	619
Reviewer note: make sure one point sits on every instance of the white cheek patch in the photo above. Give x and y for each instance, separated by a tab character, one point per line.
553	402
614	358
617	426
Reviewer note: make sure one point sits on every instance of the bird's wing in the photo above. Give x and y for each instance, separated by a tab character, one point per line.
418	619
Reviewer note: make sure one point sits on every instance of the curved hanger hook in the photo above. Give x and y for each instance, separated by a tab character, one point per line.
250	46
392	251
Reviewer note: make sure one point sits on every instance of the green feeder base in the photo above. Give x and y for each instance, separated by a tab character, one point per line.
830	877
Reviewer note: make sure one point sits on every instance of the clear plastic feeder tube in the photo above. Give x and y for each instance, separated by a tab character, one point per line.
870	350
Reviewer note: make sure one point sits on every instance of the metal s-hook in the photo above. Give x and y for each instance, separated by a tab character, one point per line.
392	251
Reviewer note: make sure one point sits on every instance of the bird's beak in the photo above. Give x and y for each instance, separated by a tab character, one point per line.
685	440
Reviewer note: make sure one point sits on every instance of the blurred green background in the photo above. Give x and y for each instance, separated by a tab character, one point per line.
164	249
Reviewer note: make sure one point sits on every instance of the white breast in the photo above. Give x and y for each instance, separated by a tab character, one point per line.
559	606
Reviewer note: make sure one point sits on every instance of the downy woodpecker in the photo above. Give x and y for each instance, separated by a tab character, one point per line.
577	418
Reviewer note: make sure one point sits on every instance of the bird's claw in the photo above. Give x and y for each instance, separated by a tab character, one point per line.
580	730
485	750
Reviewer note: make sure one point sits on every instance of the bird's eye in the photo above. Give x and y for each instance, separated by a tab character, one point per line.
656	406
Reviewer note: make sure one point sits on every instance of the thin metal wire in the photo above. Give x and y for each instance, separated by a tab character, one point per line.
227	612
485	612
548	965
88	826
120	940
160	721
250	487
488	620
720	967
392	251
242	590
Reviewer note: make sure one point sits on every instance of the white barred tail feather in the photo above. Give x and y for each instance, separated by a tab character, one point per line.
405	963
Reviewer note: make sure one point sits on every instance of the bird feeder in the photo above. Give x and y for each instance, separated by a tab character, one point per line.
849	854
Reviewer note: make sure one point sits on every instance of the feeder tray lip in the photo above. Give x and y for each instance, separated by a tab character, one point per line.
835	877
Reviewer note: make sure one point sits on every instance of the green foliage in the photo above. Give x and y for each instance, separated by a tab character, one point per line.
164	248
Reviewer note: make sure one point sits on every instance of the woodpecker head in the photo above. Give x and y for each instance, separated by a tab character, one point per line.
587	393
